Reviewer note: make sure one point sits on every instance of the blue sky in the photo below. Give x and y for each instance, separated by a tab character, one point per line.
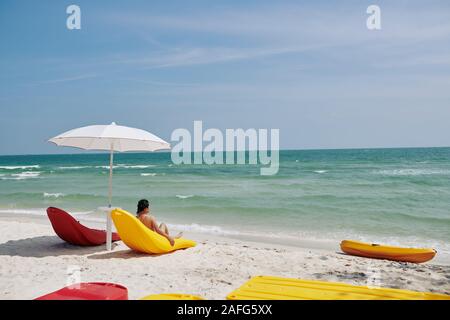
311	69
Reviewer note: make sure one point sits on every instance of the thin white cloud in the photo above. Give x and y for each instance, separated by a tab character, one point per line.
68	79
159	83
206	55
273	30
423	60
298	24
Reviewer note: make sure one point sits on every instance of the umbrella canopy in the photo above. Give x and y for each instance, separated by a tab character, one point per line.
112	138
107	137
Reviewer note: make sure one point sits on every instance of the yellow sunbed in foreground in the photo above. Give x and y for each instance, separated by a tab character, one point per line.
171	296
276	288
140	238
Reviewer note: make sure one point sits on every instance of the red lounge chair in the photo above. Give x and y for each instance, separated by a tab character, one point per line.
89	291
71	231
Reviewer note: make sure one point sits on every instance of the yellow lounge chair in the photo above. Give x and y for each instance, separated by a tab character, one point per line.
140	238
276	288
171	296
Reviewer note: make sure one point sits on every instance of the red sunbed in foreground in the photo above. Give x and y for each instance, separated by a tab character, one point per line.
89	291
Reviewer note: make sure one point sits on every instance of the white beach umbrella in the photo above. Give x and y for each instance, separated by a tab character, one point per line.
112	138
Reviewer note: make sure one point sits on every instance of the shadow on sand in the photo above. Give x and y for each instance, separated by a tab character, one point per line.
123	254
45	246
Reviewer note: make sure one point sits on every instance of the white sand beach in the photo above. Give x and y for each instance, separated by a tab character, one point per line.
34	261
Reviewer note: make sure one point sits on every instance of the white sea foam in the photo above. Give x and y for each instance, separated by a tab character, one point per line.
180	196
26	174
194	227
20	167
53	195
138	166
93	219
117	166
38	211
127	166
22	175
412	172
148	174
303	237
218	230
80	213
321	171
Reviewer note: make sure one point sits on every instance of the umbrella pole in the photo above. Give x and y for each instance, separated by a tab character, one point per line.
108	212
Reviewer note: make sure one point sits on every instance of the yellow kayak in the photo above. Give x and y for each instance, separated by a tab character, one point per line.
377	251
140	238
171	296
276	288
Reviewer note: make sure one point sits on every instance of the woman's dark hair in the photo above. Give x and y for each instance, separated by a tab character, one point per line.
142	204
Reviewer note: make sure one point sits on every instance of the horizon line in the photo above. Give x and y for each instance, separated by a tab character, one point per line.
288	149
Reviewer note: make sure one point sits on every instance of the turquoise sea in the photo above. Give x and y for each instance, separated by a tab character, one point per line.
397	196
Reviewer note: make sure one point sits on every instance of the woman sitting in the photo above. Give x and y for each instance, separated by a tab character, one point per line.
143	214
